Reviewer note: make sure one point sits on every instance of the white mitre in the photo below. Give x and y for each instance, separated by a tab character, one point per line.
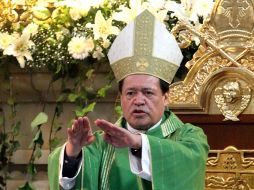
145	46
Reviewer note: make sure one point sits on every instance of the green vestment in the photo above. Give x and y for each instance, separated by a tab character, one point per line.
178	155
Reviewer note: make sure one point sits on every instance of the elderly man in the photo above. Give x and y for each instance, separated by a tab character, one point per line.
148	147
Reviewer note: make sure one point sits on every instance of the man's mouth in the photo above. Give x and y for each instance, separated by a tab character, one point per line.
139	113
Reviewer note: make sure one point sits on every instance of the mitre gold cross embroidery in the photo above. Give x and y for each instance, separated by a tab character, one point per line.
142	64
233	9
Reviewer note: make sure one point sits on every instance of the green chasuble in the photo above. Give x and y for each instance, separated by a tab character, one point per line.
178	154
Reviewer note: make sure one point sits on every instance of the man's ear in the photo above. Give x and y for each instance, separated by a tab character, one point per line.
166	101
119	98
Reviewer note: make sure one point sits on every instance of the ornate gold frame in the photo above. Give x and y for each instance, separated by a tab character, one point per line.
224	60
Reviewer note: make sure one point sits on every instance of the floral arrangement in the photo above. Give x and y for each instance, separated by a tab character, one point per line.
60	32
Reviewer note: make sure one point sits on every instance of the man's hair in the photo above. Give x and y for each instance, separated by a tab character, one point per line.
163	85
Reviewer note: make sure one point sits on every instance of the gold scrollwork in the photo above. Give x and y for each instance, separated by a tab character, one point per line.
230	162
234	183
230	169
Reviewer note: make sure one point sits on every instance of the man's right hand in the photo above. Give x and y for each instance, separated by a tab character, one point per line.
79	135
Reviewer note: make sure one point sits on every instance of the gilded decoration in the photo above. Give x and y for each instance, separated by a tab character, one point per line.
232	98
227	41
230	169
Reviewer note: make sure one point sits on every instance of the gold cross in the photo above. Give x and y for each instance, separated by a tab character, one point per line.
142	64
233	9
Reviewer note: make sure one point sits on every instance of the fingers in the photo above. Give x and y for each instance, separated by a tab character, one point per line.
104	125
79	124
109	128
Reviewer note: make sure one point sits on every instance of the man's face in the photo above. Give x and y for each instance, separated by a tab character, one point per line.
142	101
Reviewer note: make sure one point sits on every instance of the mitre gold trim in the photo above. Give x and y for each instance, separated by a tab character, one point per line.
144	65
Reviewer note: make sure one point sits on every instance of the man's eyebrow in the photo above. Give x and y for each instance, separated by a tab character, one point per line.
144	88
131	88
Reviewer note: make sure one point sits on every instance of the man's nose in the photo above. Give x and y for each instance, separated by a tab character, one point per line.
139	99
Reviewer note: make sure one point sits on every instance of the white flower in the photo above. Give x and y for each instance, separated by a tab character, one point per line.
157	4
79	47
184	11
128	14
16	26
78	8
20	49
160	14
96	3
97	54
31	29
204	7
75	14
102	28
106	43
18	2
89	44
5	40
190	10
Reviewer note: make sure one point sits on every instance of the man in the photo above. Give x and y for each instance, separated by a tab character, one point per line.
149	147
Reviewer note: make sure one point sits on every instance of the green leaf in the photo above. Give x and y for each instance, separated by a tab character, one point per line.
90	73
27	186
31	169
72	97
16	128
79	113
38	138
14	147
87	109
37	152
40	119
102	92
59	68
118	110
61	98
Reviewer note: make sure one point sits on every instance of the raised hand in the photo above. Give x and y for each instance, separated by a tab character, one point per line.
79	135
118	137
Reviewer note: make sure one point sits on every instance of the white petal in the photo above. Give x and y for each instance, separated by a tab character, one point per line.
21	61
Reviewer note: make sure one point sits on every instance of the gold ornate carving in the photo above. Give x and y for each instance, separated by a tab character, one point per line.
215	182
232	99
229	162
188	91
248	62
228	170
227	41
